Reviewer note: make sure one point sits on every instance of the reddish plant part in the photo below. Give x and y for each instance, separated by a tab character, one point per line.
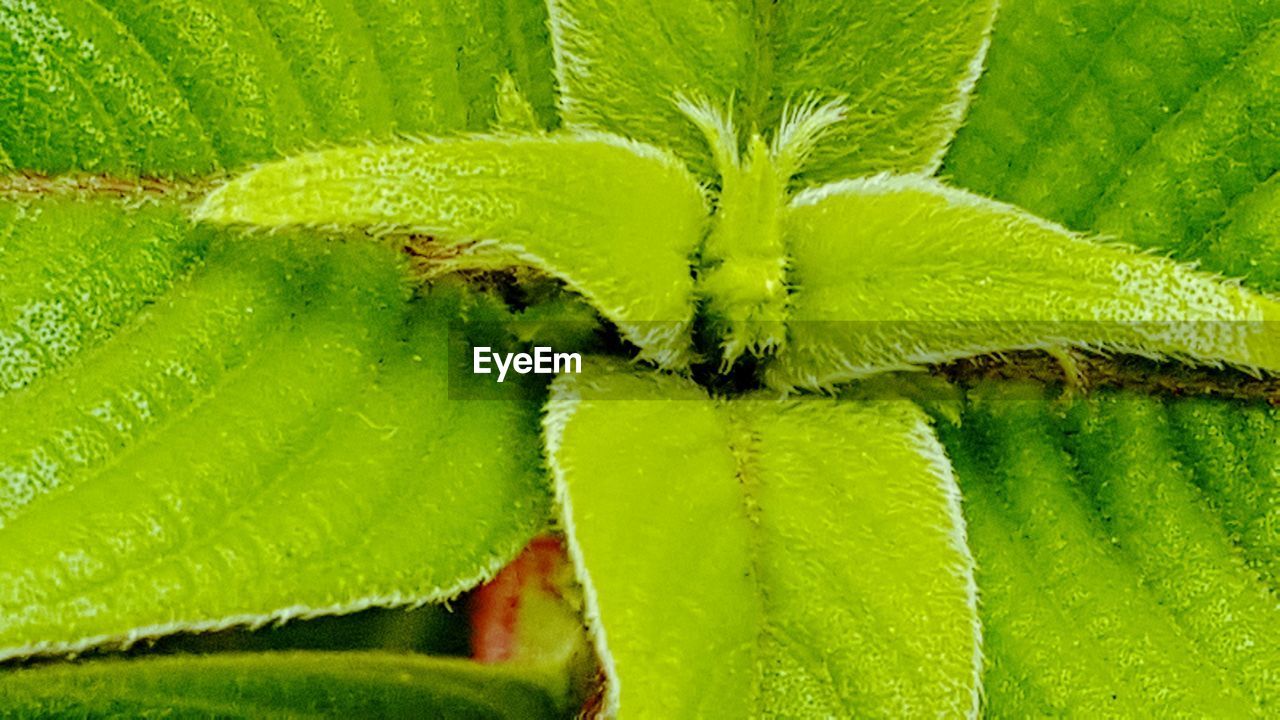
499	606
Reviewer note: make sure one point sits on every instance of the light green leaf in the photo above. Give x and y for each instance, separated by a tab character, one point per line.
1245	243
618	221
1198	167
275	438
893	272
1234	452
274	685
904	68
620	66
1157	515
764	557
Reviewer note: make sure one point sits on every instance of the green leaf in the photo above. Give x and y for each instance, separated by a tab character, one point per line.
187	86
1199	166
72	271
1148	121
274	685
275	438
620	67
1234	454
904	68
616	220
718	554
1099	556
892	272
1158	516
1243	243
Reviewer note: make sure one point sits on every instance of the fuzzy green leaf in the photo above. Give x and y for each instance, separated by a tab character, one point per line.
620	66
1234	453
1154	122
719	553
275	438
186	86
71	272
1101	553
1158	516
274	685
1121	575
893	272
904	68
618	221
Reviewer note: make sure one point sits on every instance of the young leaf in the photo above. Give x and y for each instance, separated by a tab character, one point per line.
892	272
275	685
618	221
223	469
905	70
708	595
620	67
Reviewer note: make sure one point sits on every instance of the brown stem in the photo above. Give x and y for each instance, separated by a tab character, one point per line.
1097	371
28	184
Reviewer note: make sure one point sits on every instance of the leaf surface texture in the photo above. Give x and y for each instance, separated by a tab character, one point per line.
274	437
716	555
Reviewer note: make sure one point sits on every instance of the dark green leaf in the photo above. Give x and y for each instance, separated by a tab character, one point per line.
275	685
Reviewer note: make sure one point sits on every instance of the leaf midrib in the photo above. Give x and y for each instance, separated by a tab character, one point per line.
760	92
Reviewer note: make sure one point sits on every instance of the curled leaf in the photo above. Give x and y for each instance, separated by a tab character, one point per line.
616	220
895	272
